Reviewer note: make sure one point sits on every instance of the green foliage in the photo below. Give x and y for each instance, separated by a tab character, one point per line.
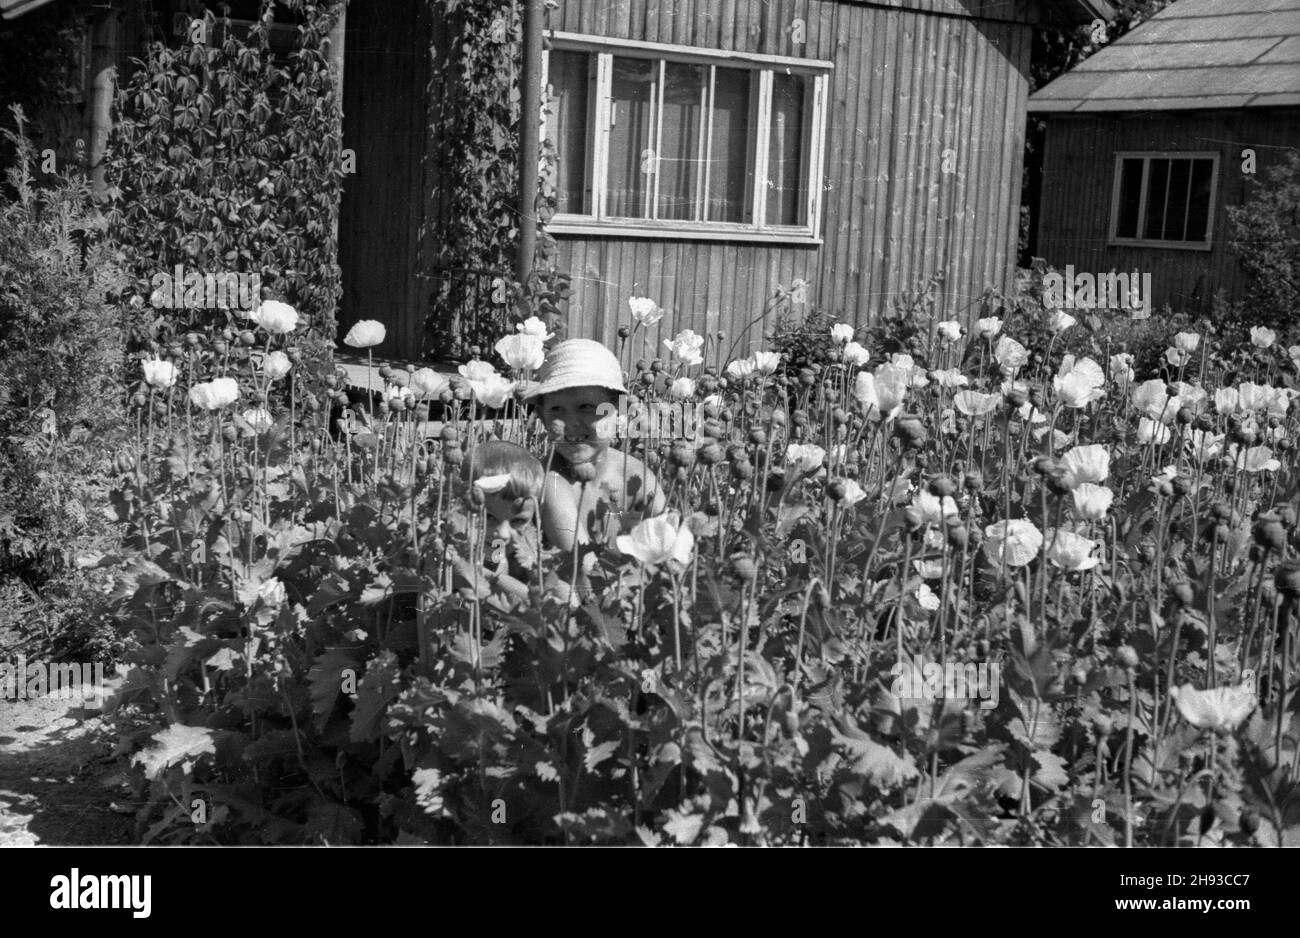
474	90
226	157
62	406
1265	235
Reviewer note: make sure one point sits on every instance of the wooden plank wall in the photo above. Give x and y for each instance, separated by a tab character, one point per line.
386	67
1078	177
907	85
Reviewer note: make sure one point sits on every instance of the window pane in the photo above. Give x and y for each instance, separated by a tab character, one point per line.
729	157
1157	183
568	73
1176	213
1130	195
631	163
680	157
786	193
1198	212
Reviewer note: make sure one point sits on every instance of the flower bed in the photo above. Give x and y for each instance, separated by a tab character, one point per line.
988	592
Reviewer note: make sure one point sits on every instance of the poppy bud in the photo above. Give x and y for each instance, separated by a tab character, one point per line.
1287	578
247	337
624	332
585	472
1182	593
941	486
758	436
229	433
220	347
973	481
958	534
775	480
744	568
1127	657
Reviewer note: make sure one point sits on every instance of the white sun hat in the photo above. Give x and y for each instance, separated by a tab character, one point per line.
577	363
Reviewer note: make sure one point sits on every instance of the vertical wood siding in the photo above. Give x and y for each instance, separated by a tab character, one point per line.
1078	178
907	85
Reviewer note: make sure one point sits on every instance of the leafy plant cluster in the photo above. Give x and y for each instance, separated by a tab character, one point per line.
1265	236
333	645
61	400
475	95
225	157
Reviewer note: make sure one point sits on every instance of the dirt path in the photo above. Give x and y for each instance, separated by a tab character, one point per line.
58	782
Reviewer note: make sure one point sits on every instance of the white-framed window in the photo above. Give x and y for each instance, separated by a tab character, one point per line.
1164	199
657	140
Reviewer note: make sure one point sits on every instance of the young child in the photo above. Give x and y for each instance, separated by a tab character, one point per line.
510	480
577	398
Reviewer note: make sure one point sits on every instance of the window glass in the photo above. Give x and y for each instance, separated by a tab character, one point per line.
787	192
681	128
1130	194
569	76
1157	186
633	91
729	156
1198	210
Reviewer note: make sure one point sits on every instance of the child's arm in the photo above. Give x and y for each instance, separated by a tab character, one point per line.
561	520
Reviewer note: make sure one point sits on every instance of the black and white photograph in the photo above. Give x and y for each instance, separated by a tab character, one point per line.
651	423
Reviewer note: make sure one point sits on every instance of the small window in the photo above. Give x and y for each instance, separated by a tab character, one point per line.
670	141
1164	199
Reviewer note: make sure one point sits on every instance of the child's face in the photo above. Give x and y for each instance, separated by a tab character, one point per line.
508	514
581	422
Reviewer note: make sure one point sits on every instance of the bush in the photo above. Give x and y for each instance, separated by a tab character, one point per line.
1265	234
61	394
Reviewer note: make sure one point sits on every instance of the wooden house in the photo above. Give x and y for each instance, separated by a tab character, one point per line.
1150	140
709	151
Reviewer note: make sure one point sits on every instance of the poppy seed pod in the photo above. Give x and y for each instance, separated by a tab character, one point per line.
840	416
624	332
758	436
1015	397
682	455
642	364
247	337
1287	578
1185	416
229	433
710	453
973	480
331	382
1269	532
1036	398
711	411
775	481
942	486
911	432
652	459
386	371
714	429
835	489
657	365
958	534
778	418
453	455
742	469
220	347
799	418
1181	485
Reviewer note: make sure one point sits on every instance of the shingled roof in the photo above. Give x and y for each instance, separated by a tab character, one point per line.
1194	54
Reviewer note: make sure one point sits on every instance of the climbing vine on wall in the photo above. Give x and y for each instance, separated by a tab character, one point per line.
472	238
225	157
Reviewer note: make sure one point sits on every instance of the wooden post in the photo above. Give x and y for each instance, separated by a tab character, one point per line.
105	32
530	110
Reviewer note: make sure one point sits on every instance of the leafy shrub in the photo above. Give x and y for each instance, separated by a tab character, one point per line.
1265	235
62	406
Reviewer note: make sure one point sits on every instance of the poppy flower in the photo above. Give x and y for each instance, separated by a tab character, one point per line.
1221	709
